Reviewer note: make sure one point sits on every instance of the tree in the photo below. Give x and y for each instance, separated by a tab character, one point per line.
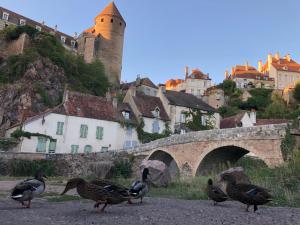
228	86
277	109
296	93
197	120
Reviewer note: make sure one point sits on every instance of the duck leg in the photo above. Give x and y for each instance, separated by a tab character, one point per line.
29	204
129	201
215	203
247	208
141	200
105	204
255	208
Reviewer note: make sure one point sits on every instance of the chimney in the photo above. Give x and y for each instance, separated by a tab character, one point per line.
288	57
108	96
162	88
55	28
138	80
260	66
277	56
75	35
246	66
186	72
115	102
269	60
232	71
253	116
43	22
226	74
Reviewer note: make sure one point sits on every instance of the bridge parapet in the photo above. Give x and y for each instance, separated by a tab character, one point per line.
266	132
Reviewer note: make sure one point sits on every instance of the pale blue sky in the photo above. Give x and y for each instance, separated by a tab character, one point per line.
162	36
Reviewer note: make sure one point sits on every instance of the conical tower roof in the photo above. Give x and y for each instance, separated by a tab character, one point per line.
111	10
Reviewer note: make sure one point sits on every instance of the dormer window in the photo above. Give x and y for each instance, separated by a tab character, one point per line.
38	28
285	68
22	22
5	16
126	115
156	112
63	39
73	43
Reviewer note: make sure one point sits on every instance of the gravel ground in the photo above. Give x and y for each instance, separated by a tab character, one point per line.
153	211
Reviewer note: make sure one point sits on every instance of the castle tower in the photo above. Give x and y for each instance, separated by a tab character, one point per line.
104	41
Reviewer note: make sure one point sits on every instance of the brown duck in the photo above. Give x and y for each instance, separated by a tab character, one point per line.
94	192
215	193
248	194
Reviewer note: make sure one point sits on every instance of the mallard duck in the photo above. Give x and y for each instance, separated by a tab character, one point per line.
139	188
94	192
248	194
215	193
29	188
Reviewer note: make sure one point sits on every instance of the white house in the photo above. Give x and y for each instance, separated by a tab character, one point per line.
81	124
177	104
149	109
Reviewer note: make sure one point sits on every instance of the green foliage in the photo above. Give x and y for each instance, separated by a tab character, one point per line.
288	145
7	143
226	111
20	133
228	87
41	91
296	93
261	98
20	167
14	32
194	120
122	168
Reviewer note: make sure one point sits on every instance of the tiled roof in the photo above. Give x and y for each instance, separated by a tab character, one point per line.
147	104
270	121
198	74
187	100
143	81
283	64
232	121
111	10
248	72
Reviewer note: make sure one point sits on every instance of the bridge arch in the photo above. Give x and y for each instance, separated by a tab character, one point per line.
166	158
217	157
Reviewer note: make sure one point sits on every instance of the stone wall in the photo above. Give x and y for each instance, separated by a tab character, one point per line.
14	47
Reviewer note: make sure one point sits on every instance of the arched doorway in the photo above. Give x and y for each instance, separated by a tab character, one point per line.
167	159
220	158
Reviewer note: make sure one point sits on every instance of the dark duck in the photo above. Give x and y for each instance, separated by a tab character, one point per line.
139	188
215	193
29	188
248	194
99	194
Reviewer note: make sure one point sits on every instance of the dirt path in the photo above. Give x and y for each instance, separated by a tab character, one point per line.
158	211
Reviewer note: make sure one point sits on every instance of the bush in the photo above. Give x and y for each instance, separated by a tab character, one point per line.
122	168
296	93
12	32
20	167
228	87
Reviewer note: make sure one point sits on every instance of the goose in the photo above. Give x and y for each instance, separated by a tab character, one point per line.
94	192
248	194
215	193
29	188
139	188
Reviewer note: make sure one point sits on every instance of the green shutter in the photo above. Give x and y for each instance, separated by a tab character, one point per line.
83	131
87	149
74	149
41	145
99	133
52	146
60	128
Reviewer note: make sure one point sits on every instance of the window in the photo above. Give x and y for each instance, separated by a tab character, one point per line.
60	127
156	112
38	28
22	22
104	149
155	127
111	20
52	146
63	39
87	149
74	149
129	131
83	131
120	24
5	16
73	43
99	133
102	20
41	145
182	117
127	144
203	120
126	115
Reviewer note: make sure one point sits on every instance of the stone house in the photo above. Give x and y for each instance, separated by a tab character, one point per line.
214	97
148	109
81	124
285	71
195	83
178	103
142	85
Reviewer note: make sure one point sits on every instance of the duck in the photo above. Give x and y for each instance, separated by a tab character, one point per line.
215	193
29	188
139	189
248	194
94	192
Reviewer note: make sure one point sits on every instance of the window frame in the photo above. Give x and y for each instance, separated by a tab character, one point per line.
50	150
74	149
41	145
99	133
22	22
60	128
5	16
84	130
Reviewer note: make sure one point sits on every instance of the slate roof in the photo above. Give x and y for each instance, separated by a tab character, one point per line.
143	81
146	104
187	100
232	121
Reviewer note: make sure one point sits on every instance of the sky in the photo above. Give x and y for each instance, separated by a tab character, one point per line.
162	37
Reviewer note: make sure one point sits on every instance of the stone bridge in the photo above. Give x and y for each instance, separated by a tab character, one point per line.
196	153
